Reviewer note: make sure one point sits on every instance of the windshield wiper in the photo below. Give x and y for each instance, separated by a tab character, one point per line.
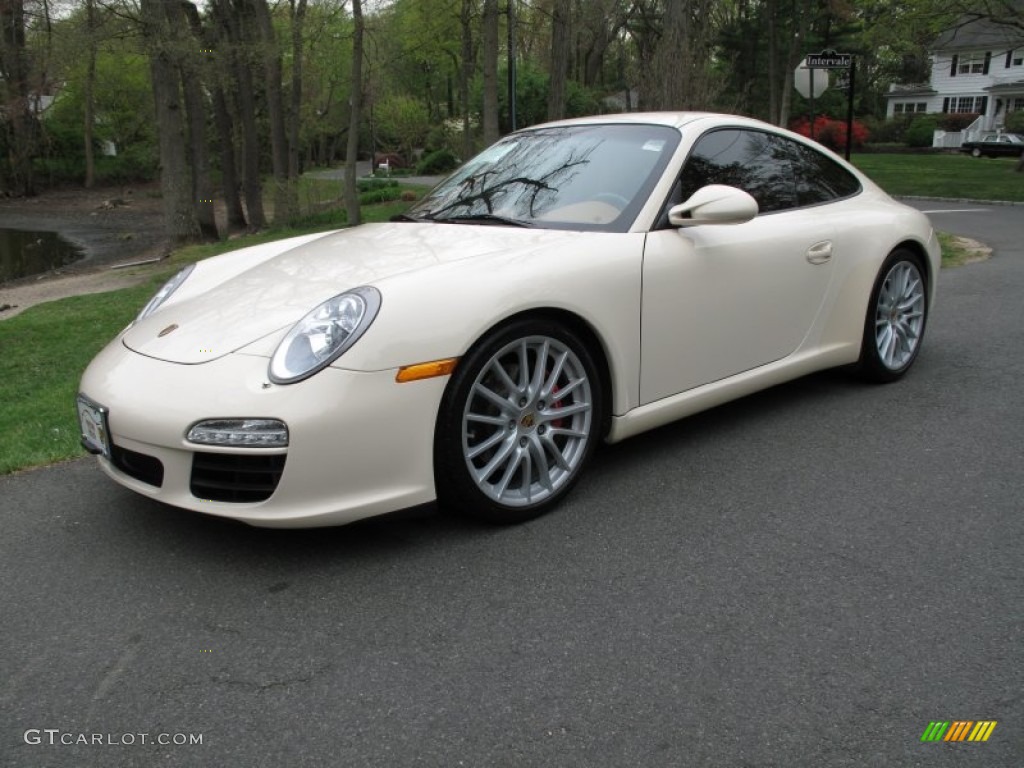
481	218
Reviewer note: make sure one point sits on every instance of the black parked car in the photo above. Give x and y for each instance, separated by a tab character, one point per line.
1002	145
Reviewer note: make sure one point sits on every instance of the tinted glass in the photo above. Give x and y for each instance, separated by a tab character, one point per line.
749	160
777	172
819	178
576	177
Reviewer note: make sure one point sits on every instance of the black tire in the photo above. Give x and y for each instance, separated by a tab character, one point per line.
513	457
896	318
975	152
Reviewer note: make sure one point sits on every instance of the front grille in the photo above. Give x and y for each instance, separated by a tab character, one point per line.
148	469
235	478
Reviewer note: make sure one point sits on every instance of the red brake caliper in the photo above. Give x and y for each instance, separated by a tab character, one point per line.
557	423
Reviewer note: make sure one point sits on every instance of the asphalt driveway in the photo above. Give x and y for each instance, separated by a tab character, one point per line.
807	577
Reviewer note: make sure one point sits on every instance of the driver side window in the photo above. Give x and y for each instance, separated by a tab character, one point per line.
756	162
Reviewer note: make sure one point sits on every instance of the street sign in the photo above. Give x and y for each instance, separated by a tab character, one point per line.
829	60
808	83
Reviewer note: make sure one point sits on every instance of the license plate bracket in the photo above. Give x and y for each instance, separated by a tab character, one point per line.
92	417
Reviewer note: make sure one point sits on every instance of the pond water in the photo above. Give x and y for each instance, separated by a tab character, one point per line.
24	252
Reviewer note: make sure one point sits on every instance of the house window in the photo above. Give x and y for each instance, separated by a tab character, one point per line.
971	64
900	107
1018	61
965	104
1016	105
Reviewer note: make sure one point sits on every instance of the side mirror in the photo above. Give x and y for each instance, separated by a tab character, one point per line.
714	204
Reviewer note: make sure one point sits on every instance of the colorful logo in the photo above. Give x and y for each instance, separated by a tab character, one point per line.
958	730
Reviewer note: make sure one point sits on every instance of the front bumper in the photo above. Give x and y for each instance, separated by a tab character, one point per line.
360	443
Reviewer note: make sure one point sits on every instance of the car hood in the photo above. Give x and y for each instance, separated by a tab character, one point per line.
278	292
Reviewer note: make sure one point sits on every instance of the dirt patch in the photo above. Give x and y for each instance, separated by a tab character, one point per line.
112	225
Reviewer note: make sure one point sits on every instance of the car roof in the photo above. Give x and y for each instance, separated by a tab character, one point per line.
670	119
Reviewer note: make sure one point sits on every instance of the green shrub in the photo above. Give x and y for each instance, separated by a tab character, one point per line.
1015	122
890	131
436	163
921	132
956	121
369	185
381	195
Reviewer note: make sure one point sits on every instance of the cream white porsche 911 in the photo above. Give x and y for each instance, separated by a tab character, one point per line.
576	282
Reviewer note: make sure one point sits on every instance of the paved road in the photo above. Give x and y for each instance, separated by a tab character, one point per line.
804	578
364	168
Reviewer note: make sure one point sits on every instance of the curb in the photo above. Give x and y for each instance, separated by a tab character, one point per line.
957	200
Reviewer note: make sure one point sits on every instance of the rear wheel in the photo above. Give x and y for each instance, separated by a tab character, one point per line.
519	422
895	322
975	152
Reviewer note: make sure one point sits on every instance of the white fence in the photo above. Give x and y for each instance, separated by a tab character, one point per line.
953	139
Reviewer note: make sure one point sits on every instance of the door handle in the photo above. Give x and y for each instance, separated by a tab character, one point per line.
819	253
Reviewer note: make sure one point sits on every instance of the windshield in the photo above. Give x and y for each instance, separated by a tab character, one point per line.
591	177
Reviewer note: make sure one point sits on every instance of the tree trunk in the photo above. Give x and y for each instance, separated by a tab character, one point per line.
14	66
490	71
237	73
465	75
559	59
90	80
175	179
285	192
216	52
228	170
773	64
182	16
671	57
355	104
295	113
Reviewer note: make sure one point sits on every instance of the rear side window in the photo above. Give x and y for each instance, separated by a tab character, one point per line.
777	172
819	178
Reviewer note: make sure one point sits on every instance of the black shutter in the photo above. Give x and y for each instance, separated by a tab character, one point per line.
1009	58
984	105
952	69
945	106
988	62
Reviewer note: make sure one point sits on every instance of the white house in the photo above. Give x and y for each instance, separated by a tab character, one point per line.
978	68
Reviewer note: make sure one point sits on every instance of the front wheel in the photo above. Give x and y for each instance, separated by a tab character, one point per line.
895	322
519	421
975	152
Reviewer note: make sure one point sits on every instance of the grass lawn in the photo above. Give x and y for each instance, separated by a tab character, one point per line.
944	175
44	350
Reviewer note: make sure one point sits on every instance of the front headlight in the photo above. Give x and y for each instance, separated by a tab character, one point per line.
165	293
319	338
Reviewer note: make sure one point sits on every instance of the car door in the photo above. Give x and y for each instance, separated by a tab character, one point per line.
721	300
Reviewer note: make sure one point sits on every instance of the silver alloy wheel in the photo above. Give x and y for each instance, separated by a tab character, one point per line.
527	421
899	315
